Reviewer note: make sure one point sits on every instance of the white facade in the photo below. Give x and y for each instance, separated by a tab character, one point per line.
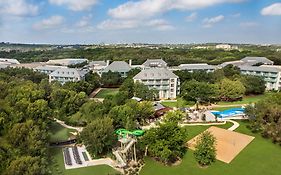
64	75
223	46
161	79
271	75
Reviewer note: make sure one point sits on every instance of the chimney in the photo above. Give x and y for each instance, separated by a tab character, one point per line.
107	62
130	62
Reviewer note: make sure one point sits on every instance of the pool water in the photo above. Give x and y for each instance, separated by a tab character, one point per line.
229	113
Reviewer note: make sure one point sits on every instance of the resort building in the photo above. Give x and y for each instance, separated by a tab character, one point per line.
161	79
121	67
154	63
249	61
7	61
64	75
47	69
98	66
67	62
271	74
197	67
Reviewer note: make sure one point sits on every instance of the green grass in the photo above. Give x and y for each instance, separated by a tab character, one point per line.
179	103
57	166
245	100
106	92
59	133
260	157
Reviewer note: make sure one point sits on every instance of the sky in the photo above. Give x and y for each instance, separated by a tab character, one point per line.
140	21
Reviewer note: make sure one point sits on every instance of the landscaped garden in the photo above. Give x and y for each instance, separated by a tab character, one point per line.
259	157
106	92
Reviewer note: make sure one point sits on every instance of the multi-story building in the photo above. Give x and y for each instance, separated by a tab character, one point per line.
154	63
161	79
8	61
67	62
248	61
121	67
47	69
271	74
197	67
64	75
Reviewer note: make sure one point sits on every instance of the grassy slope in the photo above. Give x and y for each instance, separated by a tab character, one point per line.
57	166
259	158
246	100
105	92
58	132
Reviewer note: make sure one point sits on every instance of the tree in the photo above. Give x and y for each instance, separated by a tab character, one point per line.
143	92
98	136
253	84
174	117
231	70
199	91
231	90
123	117
110	79
165	143
26	165
128	86
205	151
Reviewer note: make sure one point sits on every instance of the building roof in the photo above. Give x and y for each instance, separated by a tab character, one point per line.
67	62
235	63
28	65
68	72
118	66
9	61
97	63
263	68
48	67
155	73
196	66
155	63
254	60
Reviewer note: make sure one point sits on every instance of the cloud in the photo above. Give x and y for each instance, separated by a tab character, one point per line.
19	8
249	24
209	22
236	15
76	5
191	17
84	22
117	24
273	9
149	8
49	23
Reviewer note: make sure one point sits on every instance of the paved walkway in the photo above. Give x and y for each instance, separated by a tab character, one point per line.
95	92
234	126
62	123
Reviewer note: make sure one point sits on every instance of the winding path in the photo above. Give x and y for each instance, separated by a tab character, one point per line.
234	126
62	123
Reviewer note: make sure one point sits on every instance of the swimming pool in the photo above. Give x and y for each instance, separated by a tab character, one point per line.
229	113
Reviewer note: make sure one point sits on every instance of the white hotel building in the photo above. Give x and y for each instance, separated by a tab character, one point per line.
161	79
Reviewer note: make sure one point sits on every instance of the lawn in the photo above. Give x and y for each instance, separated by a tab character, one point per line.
59	133
57	166
179	103
245	100
106	92
259	158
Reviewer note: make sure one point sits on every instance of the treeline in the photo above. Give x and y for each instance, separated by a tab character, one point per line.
225	84
27	103
265	117
173	57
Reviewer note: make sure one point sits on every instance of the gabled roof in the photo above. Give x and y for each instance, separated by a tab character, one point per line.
263	68
67	62
48	67
9	61
155	63
255	60
118	66
155	73
98	63
196	66
68	72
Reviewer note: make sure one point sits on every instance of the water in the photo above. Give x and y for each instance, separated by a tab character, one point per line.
229	112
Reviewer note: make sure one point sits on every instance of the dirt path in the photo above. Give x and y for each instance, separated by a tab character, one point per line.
95	92
62	123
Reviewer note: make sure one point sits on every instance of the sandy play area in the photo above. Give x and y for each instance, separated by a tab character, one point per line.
228	143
